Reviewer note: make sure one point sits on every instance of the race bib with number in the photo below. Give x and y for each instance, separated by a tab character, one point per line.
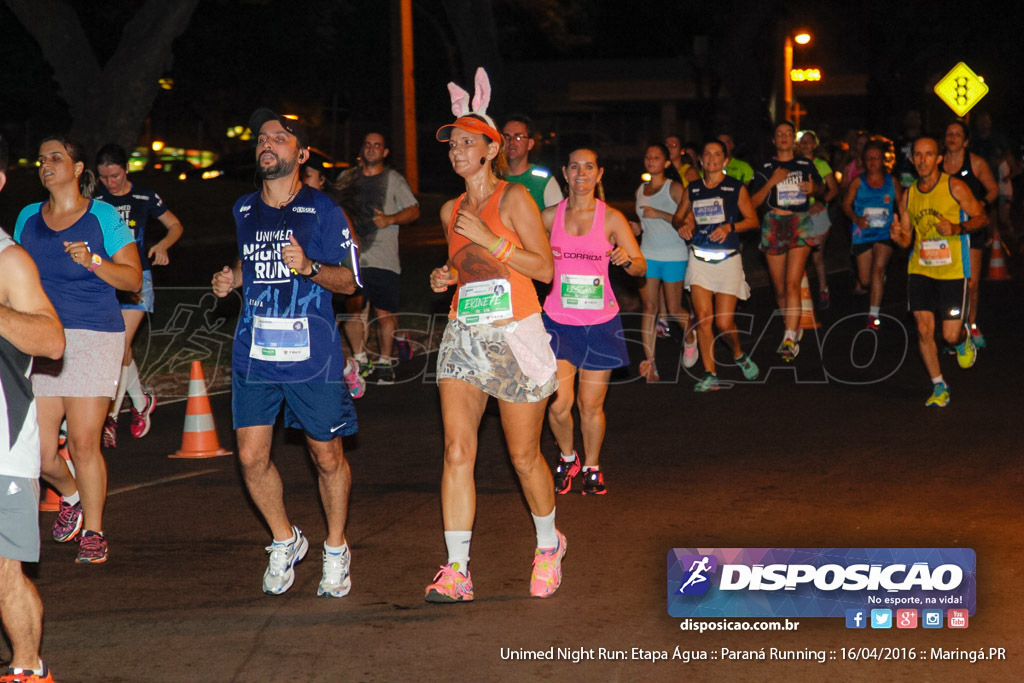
709	211
877	217
582	292
280	339
485	301
934	253
789	191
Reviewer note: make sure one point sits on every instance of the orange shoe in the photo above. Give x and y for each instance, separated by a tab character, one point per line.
12	675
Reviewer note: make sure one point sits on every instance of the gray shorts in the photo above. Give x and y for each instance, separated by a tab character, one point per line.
19	518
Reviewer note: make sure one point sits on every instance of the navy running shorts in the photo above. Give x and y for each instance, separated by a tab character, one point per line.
324	410
589	347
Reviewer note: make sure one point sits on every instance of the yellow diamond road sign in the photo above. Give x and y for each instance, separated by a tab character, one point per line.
961	89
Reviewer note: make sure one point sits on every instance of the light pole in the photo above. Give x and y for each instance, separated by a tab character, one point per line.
801	38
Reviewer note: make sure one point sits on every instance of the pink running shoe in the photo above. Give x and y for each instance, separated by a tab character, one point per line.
68	522
140	418
547	569
565	472
353	380
92	548
450	585
109	434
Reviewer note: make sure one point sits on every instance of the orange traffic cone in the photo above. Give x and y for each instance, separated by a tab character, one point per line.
807	320
997	261
199	439
51	501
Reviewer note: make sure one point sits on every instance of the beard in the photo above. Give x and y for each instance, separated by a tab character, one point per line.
282	168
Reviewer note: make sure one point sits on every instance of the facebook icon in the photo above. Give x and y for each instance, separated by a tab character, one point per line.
856	618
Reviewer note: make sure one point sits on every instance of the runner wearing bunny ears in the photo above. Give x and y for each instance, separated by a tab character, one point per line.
494	345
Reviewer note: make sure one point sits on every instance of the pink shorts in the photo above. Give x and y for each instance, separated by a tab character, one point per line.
91	366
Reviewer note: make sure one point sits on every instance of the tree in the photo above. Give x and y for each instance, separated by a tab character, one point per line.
108	103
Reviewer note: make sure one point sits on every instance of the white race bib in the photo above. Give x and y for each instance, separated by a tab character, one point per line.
280	339
582	292
934	253
485	301
709	211
789	192
877	217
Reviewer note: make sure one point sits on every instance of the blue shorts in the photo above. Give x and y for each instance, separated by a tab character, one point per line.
324	410
589	347
141	300
667	271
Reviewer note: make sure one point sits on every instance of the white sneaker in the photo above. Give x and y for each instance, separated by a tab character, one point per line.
336	582
280	574
690	353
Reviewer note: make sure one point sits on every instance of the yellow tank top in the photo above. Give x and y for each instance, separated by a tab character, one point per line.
935	256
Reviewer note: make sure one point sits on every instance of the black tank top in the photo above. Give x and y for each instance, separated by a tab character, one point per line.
966	174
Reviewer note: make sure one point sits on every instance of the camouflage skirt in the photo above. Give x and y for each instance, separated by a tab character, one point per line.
479	355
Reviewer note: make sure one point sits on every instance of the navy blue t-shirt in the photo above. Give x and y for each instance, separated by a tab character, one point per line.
786	195
272	293
82	300
136	208
713	206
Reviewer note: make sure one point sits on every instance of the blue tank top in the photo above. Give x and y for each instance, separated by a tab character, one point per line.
712	207
876	204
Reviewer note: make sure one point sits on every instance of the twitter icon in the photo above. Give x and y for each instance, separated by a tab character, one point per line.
881	618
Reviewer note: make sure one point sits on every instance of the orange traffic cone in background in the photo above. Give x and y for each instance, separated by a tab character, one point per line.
807	320
199	439
997	261
51	501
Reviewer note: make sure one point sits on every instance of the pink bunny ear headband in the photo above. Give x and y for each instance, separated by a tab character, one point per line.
465	118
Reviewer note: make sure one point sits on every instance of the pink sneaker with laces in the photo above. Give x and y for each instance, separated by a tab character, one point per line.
547	569
450	585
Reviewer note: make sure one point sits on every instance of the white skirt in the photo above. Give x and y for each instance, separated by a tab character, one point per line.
91	366
721	277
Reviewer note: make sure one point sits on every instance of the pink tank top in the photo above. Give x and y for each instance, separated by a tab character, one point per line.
580	291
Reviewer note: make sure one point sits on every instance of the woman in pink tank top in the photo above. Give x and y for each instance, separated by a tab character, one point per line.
582	315
494	345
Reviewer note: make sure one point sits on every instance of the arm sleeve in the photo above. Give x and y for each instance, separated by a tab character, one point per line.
552	192
23	217
400	196
156	206
116	234
759	180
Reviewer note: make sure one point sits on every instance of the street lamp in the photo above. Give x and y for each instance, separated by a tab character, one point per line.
801	38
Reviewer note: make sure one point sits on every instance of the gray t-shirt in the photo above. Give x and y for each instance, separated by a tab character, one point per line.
388	192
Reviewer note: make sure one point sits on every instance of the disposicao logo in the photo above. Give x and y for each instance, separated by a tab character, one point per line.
817	582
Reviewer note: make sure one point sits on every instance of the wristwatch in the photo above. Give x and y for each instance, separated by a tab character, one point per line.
314	269
96	262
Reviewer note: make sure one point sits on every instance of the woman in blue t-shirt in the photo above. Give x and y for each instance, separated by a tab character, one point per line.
84	253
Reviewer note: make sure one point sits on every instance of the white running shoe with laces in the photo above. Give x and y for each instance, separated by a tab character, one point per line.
280	574
336	581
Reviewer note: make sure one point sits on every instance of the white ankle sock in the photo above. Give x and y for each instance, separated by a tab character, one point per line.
457	543
547	537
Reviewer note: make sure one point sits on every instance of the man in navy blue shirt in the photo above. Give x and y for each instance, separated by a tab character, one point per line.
295	249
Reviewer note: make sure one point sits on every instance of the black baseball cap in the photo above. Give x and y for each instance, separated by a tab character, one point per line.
261	116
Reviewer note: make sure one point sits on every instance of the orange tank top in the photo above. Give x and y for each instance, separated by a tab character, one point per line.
474	263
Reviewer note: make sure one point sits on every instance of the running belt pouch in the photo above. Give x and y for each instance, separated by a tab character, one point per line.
530	344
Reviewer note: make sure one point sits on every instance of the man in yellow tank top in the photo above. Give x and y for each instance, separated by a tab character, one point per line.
936	214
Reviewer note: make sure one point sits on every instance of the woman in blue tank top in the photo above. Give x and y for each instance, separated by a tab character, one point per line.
869	203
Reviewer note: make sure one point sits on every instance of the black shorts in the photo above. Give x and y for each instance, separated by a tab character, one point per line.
978	238
948	298
382	288
858	249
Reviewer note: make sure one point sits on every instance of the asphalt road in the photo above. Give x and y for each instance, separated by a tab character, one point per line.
820	454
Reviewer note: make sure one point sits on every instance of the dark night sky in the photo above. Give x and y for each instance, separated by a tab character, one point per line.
302	55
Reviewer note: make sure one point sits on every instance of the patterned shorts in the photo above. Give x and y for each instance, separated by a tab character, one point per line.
479	355
782	232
